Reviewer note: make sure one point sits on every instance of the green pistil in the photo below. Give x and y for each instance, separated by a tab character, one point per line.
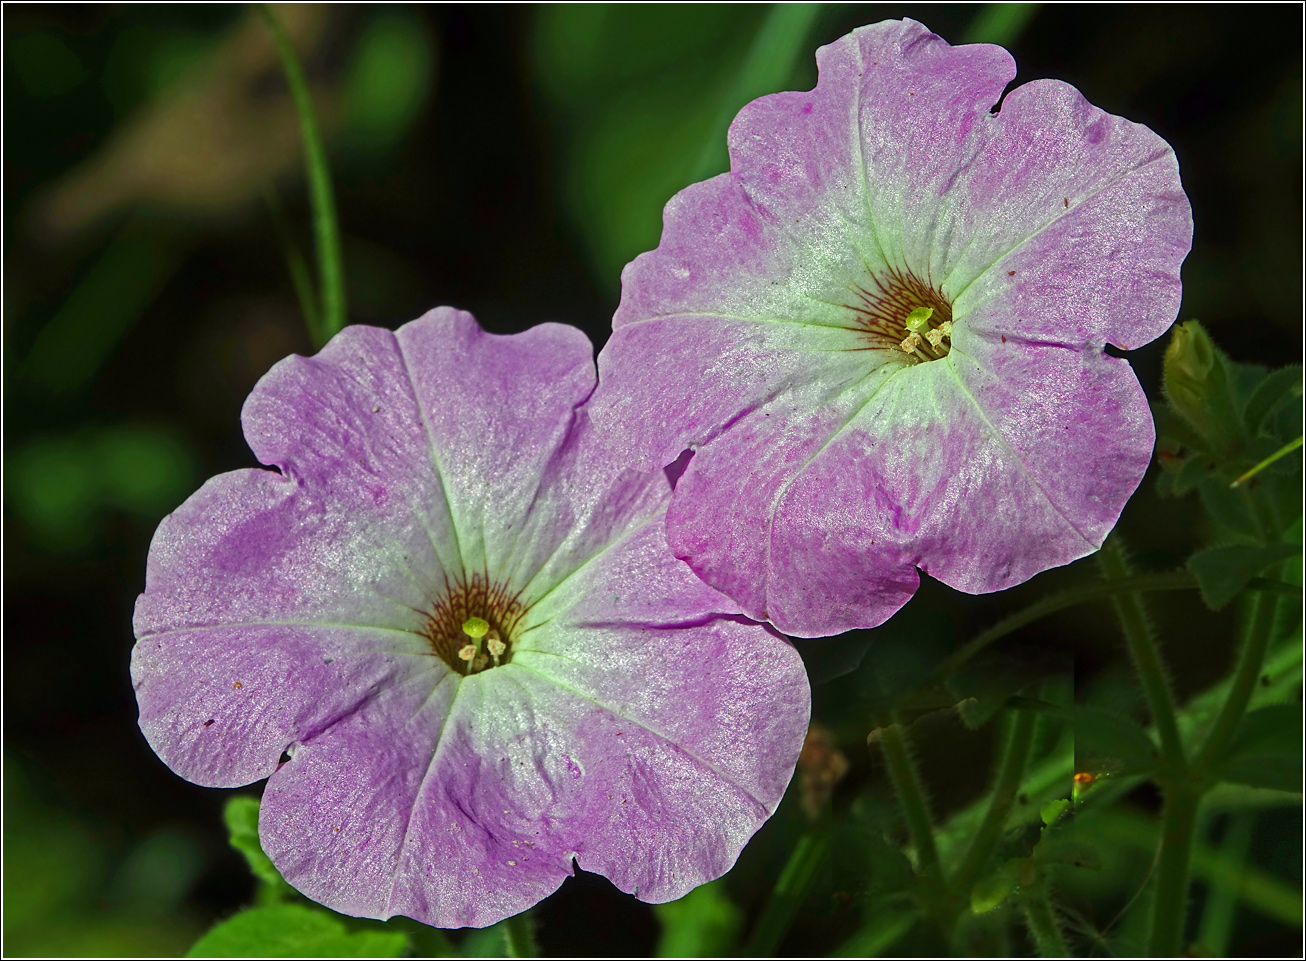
918	321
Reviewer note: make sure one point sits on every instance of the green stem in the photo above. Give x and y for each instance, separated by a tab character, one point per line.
790	890
1143	651
1283	451
1255	644
519	936
1221	905
1178	816
326	228
295	263
1019	736
911	797
1043	923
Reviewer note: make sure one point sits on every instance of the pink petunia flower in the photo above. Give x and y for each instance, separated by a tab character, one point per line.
459	616
882	333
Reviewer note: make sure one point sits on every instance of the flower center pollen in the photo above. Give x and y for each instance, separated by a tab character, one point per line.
472	625
902	314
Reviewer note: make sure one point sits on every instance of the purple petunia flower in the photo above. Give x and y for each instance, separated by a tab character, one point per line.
883	332
459	617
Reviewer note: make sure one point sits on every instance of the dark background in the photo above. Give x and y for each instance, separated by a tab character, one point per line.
508	161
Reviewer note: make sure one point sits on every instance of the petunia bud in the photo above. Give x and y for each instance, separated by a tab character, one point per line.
1197	384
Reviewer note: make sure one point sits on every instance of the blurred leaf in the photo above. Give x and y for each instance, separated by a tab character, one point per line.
988	893
1277	388
882	932
46	66
865	864
780	41
294	931
106	302
640	89
1222	572
57	485
1051	812
206	144
491	942
388	83
157	876
1070	851
827	658
904	656
1106	741
1267	750
241	816
1000	23
705	923
986	682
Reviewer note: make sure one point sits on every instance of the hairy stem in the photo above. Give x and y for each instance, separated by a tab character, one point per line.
1178	816
1145	655
911	798
1043	923
1018	737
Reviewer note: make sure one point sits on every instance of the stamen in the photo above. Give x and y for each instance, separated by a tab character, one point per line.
910	343
467	652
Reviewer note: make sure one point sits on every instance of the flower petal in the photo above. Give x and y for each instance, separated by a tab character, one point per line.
957	467
648	753
220	705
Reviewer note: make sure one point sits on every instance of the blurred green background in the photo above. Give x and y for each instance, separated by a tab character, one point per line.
508	161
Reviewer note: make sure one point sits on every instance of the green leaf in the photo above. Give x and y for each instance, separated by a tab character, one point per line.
1278	388
1052	811
988	681
864	863
990	892
491	942
1112	743
1195	472
704	923
294	931
827	658
1267	750
903	658
241	815
1231	517
1063	850
1222	572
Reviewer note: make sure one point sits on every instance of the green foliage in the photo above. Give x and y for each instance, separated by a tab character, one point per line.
1222	572
645	93
1109	742
388	83
294	931
1267	749
58	485
241	816
705	923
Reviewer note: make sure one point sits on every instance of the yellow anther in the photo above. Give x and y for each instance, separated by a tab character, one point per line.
467	652
910	343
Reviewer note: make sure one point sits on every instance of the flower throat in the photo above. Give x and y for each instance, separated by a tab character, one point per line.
903	314
472	626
